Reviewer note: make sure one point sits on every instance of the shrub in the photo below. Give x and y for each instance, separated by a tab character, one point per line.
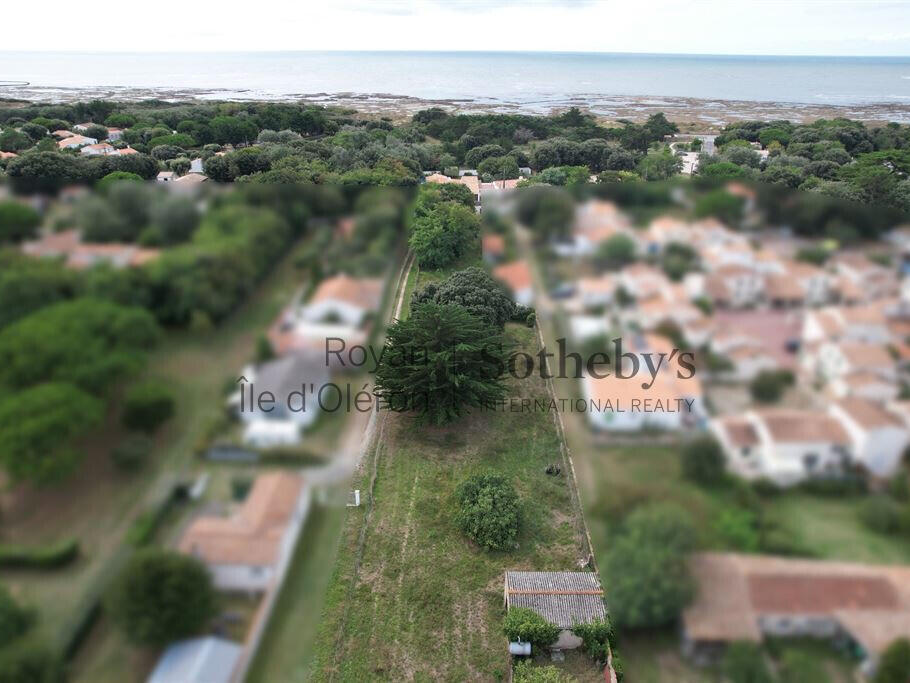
29	662
14	620
703	462
147	405
744	662
131	453
881	514
531	320
39	557
17	221
769	385
161	597
527	672
528	626
489	511
894	664
596	638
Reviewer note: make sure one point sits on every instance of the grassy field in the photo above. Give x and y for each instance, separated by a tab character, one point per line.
418	601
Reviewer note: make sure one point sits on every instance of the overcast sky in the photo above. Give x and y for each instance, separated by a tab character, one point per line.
785	27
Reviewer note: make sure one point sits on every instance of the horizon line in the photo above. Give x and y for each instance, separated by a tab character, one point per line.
452	52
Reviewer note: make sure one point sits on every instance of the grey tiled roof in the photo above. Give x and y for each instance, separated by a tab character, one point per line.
562	598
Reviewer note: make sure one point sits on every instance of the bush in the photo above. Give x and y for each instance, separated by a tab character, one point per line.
769	385
39	557
161	597
881	514
531	320
744	662
147	405
894	664
527	672
596	638
17	221
489	511
131	453
29	662
528	626
703	462
14	620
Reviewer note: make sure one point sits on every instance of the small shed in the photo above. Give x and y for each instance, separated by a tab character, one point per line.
562	598
199	660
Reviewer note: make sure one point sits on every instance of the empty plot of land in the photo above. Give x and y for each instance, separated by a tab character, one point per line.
425	603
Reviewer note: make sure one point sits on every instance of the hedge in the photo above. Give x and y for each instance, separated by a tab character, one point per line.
50	556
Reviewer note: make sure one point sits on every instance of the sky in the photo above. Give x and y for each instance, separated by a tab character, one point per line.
766	27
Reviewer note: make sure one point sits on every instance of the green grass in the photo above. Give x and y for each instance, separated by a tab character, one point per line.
426	604
285	651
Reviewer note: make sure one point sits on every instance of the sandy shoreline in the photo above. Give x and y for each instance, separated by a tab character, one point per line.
690	113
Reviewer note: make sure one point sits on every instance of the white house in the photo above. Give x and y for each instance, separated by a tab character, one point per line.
244	550
75	142
878	437
748	361
598	291
98	149
782	445
735	286
863	384
343	299
166	176
836	360
280	398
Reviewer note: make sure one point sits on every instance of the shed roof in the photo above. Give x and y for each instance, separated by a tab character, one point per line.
562	598
200	660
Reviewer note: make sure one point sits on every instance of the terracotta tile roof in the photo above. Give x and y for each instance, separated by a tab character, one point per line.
517	275
739	430
363	293
868	414
493	244
798	426
818	594
734	590
862	355
252	534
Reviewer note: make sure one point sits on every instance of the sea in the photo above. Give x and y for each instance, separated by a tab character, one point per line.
530	81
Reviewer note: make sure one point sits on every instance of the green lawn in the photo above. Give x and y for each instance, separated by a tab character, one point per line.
292	628
425	603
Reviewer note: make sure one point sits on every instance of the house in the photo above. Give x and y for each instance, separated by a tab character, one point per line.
624	405
852	323
642	281
562	598
196	165
785	446
472	182
595	292
114	134
863	384
60	134
835	360
748	361
345	299
293	381
8	155
337	314
82	127
739	597
127	150
75	142
79	255
878	437
493	247
209	659
245	550
517	277
98	149
189	180
735	286
166	176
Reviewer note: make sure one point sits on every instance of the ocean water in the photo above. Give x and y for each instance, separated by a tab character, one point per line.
532	78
